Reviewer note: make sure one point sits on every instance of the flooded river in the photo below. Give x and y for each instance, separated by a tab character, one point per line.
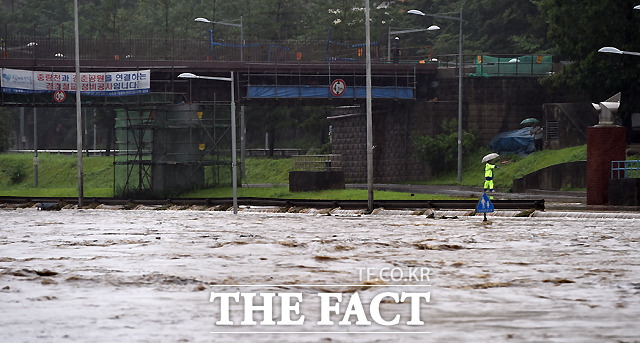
166	276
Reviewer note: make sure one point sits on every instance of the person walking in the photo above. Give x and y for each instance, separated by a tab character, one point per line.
395	50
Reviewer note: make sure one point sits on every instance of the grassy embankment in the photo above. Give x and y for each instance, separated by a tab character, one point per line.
58	176
516	167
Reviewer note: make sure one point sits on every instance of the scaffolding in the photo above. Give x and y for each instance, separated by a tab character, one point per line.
167	150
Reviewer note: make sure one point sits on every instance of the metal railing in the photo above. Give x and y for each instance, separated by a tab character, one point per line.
330	162
172	49
625	169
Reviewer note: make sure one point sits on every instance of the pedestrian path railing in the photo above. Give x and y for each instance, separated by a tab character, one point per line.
331	162
625	169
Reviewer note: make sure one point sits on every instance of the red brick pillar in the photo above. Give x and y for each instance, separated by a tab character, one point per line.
604	144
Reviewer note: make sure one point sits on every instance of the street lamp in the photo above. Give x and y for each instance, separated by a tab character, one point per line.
459	19
205	20
234	173
612	50
393	33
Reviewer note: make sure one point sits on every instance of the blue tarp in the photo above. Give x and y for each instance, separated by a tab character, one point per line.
264	91
516	142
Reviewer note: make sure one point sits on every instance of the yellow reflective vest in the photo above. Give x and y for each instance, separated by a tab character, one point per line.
488	171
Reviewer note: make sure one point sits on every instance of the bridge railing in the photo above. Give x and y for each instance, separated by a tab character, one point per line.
163	49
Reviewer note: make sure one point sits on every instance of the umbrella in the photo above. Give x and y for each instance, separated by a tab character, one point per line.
489	157
529	121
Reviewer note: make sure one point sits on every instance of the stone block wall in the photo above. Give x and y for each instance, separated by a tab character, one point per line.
349	139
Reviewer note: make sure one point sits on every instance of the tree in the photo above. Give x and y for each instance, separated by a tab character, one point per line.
505	27
579	28
442	149
489	26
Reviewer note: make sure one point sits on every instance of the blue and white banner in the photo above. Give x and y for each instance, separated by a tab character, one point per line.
121	83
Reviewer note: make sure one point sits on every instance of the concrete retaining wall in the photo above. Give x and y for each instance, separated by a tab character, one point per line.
554	178
309	181
624	192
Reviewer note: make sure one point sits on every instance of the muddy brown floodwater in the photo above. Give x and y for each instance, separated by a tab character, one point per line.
150	276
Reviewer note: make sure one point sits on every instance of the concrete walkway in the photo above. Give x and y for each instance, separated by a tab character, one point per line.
557	199
476	192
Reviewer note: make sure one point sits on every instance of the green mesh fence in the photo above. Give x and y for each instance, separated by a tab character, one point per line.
528	65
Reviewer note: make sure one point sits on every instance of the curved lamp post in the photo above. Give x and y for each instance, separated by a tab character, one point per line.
234	173
459	19
612	50
205	20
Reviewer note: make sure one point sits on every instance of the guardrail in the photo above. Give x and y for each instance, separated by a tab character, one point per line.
625	169
91	152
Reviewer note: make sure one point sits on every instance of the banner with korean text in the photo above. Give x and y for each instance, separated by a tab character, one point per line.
120	83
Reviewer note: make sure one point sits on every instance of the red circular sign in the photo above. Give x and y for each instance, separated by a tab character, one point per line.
338	86
59	96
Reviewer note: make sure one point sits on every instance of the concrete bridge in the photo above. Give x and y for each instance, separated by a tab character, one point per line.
298	72
301	83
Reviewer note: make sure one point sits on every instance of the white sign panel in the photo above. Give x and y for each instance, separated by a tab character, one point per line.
120	83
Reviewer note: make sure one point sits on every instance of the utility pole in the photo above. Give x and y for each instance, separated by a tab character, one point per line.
369	114
35	147
78	107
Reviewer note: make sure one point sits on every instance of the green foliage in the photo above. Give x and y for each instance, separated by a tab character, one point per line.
578	29
490	26
16	174
441	150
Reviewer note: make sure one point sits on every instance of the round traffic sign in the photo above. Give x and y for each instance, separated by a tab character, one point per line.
59	96
338	86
